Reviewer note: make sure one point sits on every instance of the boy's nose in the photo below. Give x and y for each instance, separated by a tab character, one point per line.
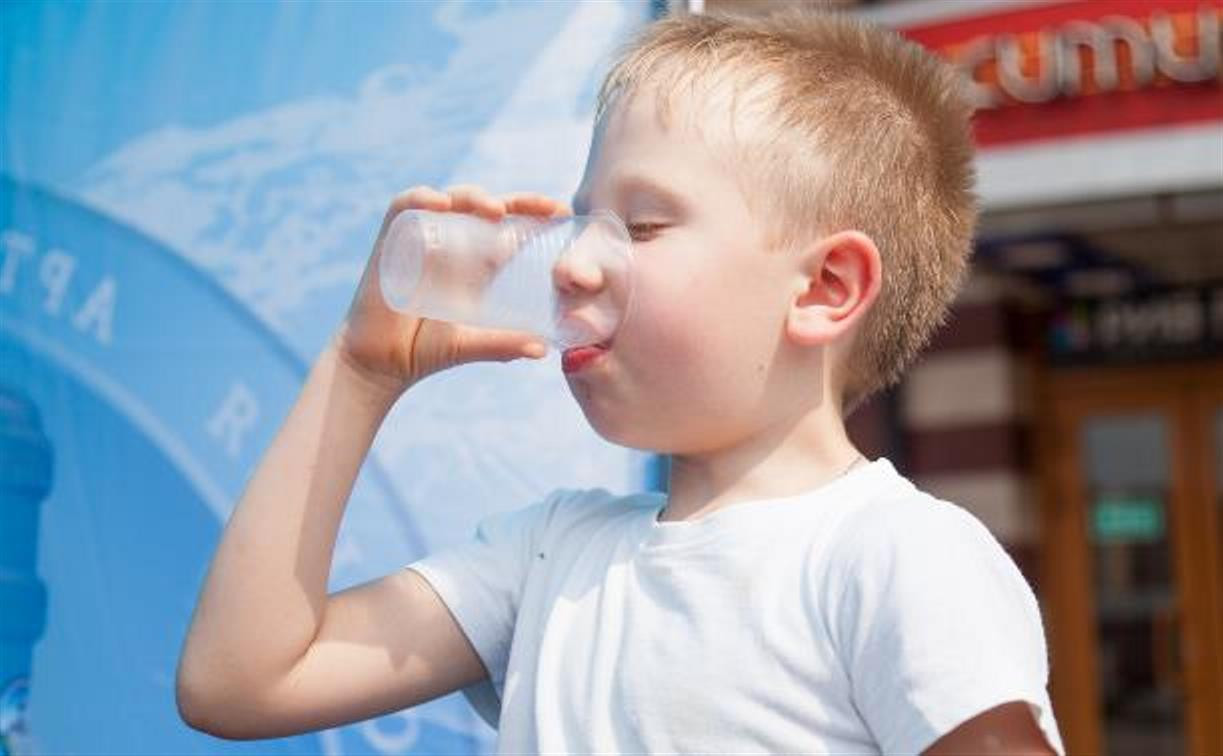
575	274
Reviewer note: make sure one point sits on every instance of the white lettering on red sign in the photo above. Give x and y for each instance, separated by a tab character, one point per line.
1062	62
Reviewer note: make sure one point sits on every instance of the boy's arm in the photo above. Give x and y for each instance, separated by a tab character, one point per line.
269	652
1007	729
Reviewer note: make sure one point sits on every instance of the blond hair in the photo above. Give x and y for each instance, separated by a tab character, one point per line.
851	127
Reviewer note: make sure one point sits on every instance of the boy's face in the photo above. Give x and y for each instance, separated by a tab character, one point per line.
694	366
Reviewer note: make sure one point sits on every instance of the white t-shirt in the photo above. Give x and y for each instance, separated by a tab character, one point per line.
862	617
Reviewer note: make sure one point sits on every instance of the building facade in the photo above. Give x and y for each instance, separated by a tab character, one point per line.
1074	402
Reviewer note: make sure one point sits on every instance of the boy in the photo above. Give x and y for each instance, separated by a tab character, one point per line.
799	192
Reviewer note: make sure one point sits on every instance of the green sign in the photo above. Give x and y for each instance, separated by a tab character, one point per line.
1128	519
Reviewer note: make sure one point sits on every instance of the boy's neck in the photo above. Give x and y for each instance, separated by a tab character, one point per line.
780	461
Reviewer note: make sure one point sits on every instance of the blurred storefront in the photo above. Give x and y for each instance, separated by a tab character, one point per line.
1075	401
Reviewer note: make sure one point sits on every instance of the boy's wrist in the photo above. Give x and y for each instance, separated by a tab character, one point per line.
378	391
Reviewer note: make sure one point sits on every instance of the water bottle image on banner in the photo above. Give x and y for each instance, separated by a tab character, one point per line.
25	480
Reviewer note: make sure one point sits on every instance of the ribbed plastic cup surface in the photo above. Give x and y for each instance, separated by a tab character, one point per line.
568	280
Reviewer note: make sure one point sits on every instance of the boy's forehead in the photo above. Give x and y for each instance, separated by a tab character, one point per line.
648	128
641	190
708	112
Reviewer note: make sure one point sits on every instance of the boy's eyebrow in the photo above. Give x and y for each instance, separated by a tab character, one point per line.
626	184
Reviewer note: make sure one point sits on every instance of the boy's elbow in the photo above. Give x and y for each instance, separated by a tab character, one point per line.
198	710
218	715
193	710
190	698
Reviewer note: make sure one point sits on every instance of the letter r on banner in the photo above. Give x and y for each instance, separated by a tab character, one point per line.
234	418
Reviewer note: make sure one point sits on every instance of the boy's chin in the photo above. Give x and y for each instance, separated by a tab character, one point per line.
613	432
637	436
633	428
615	428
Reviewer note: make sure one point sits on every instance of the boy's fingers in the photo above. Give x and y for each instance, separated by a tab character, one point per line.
422	197
466	198
418	197
483	344
473	199
530	203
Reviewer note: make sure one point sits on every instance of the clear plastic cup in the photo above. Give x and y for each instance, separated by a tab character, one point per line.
568	280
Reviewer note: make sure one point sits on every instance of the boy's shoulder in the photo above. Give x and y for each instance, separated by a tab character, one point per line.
933	619
882	507
905	552
566	512
897	512
881	520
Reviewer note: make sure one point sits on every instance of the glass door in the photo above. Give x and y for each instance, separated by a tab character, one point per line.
1127	487
1132	463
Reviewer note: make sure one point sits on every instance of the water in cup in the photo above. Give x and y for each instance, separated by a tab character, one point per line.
565	279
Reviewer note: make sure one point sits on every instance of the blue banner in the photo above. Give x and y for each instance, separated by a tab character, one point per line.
188	194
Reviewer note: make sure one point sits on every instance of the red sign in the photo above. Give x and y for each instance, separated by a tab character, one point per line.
1070	68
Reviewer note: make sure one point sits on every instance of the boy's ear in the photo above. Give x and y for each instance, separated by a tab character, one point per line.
840	276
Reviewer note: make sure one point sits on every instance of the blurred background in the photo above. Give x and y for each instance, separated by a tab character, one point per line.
188	193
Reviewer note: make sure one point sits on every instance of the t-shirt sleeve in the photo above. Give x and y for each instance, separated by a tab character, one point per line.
481	582
937	625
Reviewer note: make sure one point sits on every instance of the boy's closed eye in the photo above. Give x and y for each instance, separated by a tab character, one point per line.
643	231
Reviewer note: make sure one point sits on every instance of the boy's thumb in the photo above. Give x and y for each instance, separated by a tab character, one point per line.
535	350
500	346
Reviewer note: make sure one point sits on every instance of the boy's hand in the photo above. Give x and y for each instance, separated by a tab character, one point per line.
392	350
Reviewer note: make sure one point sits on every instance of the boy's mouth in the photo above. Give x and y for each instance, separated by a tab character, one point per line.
579	358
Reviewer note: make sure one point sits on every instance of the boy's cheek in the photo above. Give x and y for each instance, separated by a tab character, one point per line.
663	307
659	341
